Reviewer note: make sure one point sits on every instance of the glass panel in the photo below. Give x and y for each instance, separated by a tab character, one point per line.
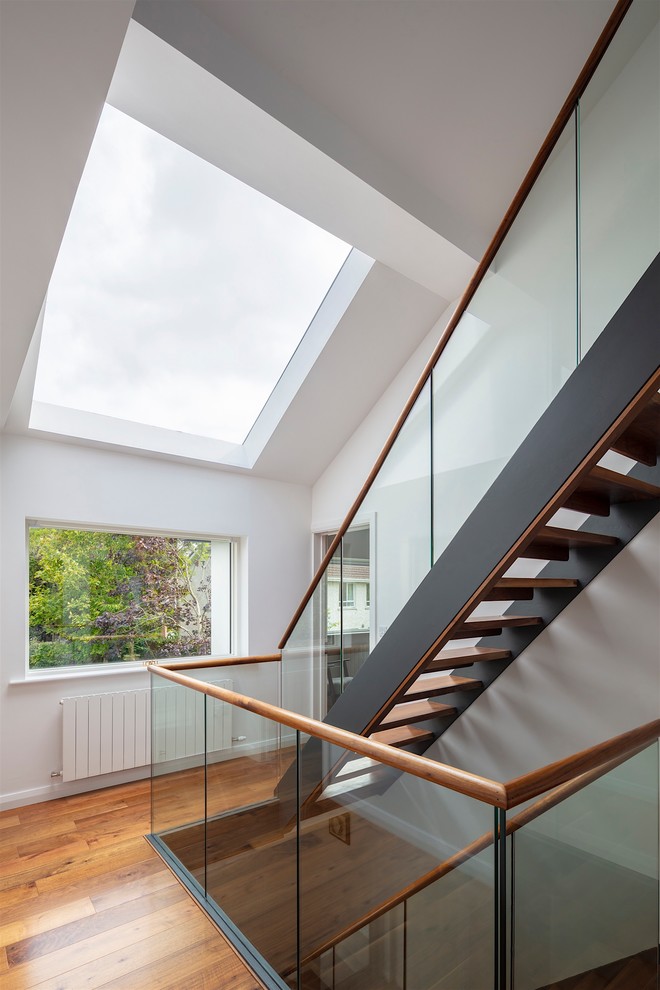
251	845
586	885
375	905
178	770
381	560
512	351
397	511
620	168
356	639
311	669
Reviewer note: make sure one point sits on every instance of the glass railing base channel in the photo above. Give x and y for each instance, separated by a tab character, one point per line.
253	959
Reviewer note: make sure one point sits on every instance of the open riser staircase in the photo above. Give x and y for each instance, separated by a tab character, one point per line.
418	679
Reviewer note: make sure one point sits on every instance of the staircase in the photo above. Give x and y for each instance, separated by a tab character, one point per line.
573	552
420	677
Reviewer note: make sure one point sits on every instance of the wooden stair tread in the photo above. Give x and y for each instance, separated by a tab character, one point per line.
402	735
521	589
554	542
477	624
641	440
432	685
450	659
537	583
573	537
617	487
416	711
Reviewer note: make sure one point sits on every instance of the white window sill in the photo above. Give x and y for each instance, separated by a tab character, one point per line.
114	670
69	674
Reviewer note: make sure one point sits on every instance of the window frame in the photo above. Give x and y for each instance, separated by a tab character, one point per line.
347	602
228	604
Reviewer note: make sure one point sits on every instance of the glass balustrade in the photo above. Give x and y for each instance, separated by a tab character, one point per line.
381	559
379	905
619	178
331	869
585	885
587	231
512	351
178	773
334	871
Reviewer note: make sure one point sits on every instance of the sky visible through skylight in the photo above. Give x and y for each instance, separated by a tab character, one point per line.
179	293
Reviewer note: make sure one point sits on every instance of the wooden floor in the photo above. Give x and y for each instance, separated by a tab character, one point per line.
85	902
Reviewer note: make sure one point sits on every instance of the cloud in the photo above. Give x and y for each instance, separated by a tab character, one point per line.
179	293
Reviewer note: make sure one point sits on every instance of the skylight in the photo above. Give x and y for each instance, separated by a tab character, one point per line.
179	293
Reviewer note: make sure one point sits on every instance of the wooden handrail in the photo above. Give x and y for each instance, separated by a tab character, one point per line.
479	788
493	792
537	782
540	807
193	664
532	175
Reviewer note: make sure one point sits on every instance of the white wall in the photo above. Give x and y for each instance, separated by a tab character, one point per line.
335	490
60	482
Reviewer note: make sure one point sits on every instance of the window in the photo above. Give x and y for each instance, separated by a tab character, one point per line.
348	596
172	249
105	597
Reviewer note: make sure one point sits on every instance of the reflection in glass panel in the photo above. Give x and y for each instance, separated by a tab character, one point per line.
620	168
512	351
377	898
397	510
312	671
251	834
586	882
356	603
178	753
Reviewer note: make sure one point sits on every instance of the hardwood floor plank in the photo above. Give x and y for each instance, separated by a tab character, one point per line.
114	880
90	904
137	888
36	924
45	845
8	820
92	950
201	965
17	894
16	834
94	863
91	925
140	954
38	864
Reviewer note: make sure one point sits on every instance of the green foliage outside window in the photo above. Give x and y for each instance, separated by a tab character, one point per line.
110	597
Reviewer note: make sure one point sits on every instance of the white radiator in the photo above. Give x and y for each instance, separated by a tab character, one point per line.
103	733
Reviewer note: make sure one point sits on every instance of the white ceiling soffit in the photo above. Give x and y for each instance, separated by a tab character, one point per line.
441	105
57	60
200	89
382	330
